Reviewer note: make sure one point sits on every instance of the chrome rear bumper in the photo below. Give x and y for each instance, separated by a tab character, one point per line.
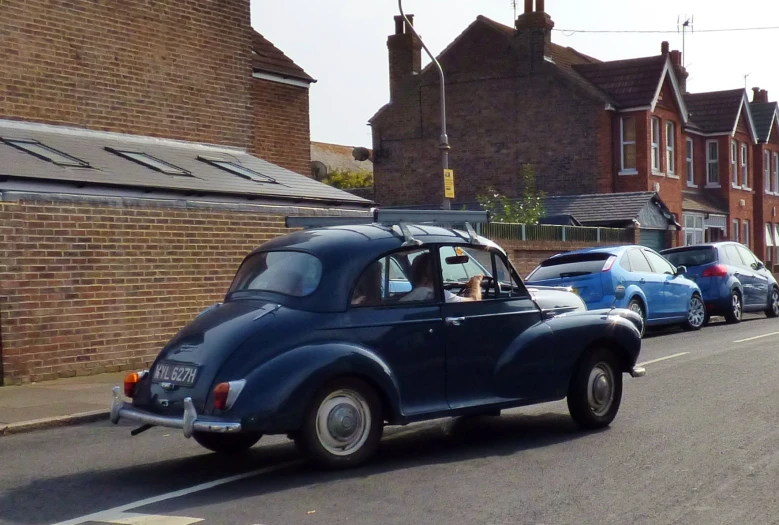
189	422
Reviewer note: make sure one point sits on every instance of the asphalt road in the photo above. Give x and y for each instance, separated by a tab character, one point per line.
696	442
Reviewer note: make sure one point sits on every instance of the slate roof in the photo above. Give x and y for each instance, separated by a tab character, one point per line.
763	114
706	203
604	207
108	169
715	111
268	58
630	83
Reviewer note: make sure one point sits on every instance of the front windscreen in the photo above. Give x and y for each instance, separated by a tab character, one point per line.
690	257
285	272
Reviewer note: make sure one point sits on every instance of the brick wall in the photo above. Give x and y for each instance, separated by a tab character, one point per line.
174	68
88	288
281	133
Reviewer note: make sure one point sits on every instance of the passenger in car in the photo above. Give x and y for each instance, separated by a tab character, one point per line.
368	289
422	278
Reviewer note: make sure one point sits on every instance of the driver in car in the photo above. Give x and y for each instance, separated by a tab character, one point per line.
423	279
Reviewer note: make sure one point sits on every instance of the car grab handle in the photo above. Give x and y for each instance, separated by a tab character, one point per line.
455	321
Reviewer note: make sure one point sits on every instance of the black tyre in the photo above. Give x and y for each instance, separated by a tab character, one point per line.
595	392
696	314
736	310
773	303
636	305
227	444
343	425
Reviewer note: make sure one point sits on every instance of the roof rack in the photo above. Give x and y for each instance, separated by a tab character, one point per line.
399	218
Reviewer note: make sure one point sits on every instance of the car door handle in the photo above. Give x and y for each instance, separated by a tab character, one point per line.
737	274
455	321
642	281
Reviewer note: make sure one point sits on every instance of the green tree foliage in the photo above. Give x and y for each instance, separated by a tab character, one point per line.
347	180
526	210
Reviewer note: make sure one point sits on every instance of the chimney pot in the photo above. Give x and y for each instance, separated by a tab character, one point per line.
399	25
756	94
540	6
528	6
664	48
764	94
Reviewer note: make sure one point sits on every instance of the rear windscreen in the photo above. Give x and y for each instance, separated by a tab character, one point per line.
570	266
692	256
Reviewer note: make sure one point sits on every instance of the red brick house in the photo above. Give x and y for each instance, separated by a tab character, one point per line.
586	126
766	187
144	151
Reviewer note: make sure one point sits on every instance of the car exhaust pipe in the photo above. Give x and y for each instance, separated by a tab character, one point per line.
142	428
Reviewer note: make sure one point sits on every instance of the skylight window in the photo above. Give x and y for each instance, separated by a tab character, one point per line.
150	162
237	169
35	148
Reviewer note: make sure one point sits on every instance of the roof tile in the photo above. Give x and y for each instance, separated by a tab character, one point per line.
630	83
763	114
715	111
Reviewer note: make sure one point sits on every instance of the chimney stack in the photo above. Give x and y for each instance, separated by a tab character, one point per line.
534	34
760	95
679	69
405	55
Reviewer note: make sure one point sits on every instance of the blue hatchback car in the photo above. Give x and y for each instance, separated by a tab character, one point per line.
732	279
633	277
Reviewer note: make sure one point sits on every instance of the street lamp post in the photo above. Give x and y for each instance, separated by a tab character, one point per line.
444	140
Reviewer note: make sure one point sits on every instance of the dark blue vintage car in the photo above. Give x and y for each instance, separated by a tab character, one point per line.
328	334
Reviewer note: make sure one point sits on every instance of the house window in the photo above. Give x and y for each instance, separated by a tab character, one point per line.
734	230
43	152
237	169
712	163
776	173
628	134
690	172
769	240
744	166
694	232
150	162
767	172
746	233
734	164
670	140
655	144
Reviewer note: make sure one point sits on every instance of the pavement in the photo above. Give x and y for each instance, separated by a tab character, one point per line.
694	443
55	403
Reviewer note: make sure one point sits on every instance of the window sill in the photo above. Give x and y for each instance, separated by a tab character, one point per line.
712	185
658	173
628	172
735	186
746	188
692	185
673	176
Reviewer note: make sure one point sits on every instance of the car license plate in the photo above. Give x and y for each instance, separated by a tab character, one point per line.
176	374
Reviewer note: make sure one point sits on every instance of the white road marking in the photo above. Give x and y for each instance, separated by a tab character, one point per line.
128	518
653	361
116	512
756	337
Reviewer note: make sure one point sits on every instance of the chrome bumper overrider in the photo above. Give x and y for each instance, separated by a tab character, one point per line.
638	371
189	422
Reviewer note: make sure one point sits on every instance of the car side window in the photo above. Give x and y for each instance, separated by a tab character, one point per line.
732	256
748	257
460	263
624	262
638	262
389	279
659	264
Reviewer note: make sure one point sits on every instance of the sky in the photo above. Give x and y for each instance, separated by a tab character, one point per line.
343	44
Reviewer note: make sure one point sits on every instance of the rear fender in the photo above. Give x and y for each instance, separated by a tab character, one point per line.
634	291
279	392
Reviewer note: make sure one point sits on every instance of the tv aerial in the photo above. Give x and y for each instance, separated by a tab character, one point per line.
684	24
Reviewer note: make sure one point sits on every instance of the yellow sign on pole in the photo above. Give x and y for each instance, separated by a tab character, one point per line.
449	184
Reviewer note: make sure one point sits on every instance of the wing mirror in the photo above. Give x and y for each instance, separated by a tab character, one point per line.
681	270
759	266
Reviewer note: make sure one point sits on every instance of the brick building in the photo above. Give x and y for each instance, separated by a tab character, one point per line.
143	152
586	126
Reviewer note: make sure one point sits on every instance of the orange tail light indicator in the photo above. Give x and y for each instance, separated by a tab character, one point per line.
131	381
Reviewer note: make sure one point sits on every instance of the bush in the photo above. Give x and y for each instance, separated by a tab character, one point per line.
527	210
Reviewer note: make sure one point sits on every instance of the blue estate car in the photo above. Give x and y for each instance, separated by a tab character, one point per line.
652	286
313	341
732	279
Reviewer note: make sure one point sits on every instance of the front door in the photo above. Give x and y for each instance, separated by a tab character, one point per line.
483	336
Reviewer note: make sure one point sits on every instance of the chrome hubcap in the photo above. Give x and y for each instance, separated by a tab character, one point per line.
635	307
343	422
600	389
775	302
697	312
736	306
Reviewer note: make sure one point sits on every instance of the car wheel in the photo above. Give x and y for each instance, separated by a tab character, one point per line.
595	392
696	315
733	315
635	305
227	444
343	427
773	303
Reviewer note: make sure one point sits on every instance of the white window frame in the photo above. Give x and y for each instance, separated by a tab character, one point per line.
745	166
711	161
769	235
767	171
694	228
745	242
776	174
655	151
735	228
734	164
670	148
623	170
690	156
